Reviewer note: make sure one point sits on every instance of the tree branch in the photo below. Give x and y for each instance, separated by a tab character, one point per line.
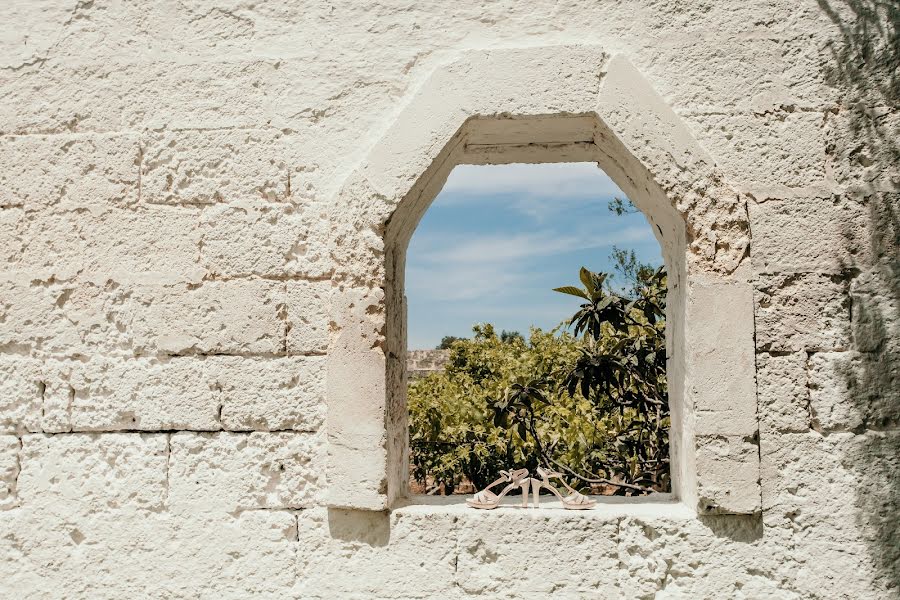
629	486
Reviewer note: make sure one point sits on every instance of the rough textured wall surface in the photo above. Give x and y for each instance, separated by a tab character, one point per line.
166	171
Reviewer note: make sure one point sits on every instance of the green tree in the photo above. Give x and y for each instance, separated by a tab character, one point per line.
453	435
447	342
620	207
592	403
621	370
510	336
633	273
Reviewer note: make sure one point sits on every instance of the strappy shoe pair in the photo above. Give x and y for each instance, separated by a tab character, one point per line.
486	499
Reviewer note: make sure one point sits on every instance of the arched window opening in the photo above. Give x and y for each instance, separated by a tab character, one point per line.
698	219
536	333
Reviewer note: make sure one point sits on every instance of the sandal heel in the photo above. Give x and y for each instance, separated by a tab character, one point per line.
525	493
536	492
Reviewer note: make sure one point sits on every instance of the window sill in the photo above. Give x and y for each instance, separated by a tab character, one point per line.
607	508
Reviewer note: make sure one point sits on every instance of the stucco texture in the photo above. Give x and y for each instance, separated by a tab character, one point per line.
177	247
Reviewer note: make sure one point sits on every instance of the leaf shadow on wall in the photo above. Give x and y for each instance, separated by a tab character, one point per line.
865	68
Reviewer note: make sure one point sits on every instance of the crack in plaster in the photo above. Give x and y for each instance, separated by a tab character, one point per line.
42	391
69	404
18	467
753	294
168	466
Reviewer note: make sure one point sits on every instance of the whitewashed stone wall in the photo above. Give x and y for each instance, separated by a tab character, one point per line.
170	174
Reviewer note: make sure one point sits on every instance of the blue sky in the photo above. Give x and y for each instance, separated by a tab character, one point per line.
498	239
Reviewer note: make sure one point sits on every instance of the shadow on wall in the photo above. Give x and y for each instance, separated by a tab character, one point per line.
873	384
362	527
868	55
745	529
865	67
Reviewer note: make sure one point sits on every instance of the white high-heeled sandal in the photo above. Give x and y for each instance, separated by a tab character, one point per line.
574	501
486	499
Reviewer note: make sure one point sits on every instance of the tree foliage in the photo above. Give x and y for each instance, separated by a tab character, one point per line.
447	342
620	207
621	370
592	402
452	430
510	336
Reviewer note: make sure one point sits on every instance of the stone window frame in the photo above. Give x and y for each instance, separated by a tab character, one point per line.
537	105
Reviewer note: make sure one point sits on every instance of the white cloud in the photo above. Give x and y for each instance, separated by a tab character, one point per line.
539	191
460	282
481	269
550	179
509	248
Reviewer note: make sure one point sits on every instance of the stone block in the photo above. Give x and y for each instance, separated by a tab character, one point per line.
65	318
862	147
240	316
720	379
727	474
143	394
494	561
831	402
20	394
783	393
13	225
356	423
808	311
150	394
739	75
765	153
234	472
82	317
800	235
223	165
875	302
78	473
850	390
57	395
834	492
265	239
10	446
874	460
30	31
270	393
884	231
839	569
372	554
150	244
308	305
127	553
806	481
72	171
116	95
677	558
635	113
327	113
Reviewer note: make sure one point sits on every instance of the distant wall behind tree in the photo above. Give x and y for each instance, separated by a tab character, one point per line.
420	363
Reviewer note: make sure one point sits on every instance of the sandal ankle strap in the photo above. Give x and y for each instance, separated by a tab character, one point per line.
517	475
548	474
